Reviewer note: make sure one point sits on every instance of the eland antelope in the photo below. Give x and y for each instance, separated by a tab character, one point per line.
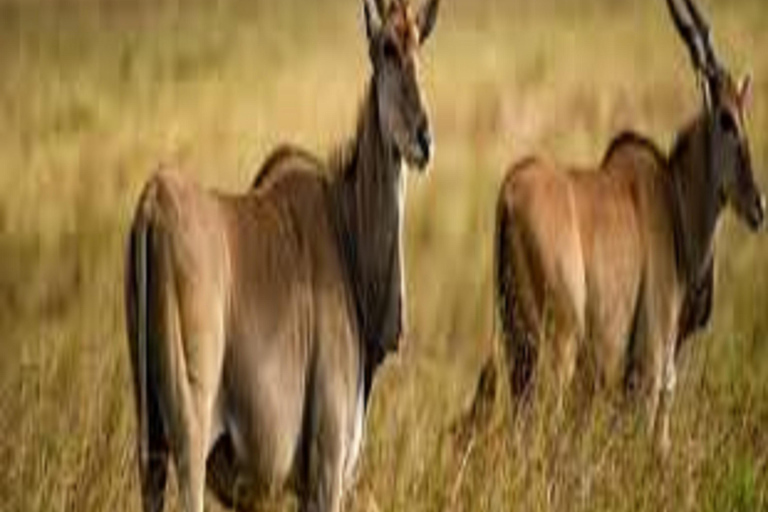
602	274
256	321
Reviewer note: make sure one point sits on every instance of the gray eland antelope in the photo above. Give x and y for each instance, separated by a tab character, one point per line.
602	274
256	321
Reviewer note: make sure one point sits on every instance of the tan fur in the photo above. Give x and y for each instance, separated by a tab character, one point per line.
603	273
594	259
256	321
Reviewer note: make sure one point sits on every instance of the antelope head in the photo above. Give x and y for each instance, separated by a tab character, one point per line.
395	35
725	104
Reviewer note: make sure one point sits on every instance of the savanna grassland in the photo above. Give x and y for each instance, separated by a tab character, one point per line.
95	95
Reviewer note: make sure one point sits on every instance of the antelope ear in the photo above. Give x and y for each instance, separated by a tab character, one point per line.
426	18
372	19
745	90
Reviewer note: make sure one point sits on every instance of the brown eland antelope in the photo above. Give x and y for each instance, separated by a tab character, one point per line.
603	274
256	321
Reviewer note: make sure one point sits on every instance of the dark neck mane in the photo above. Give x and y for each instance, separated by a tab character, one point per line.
695	199
366	188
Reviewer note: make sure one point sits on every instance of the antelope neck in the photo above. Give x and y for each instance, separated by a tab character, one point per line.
367	199
694	203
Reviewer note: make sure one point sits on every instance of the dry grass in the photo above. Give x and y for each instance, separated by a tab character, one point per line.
93	95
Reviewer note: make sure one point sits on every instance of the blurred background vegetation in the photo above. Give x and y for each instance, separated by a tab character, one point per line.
95	95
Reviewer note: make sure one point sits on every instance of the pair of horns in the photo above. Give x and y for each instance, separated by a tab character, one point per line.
697	37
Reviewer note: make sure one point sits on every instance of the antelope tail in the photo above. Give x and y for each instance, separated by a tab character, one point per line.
141	303
137	316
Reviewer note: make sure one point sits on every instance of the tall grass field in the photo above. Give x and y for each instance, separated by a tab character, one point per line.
96	94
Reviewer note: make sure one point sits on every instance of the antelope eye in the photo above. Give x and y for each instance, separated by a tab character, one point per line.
390	51
727	122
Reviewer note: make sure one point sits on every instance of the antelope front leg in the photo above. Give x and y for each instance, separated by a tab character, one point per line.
651	386
322	475
323	486
661	427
